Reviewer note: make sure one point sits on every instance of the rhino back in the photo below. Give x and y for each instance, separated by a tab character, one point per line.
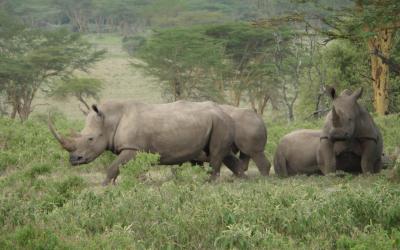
250	129
299	148
177	131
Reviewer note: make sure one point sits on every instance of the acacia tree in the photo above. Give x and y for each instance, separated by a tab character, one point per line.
369	23
289	59
249	50
31	58
184	60
81	88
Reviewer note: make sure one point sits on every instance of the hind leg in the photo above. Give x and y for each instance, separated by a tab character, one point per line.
262	163
216	168
245	159
280	164
234	165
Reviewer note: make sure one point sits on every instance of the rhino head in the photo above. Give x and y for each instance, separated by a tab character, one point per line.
344	114
87	145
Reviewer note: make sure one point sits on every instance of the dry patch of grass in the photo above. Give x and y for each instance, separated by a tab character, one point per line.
121	80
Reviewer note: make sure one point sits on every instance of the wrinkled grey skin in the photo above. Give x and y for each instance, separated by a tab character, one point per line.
178	132
250	139
350	140
297	153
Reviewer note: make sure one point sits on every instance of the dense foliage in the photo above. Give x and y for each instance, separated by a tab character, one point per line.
30	58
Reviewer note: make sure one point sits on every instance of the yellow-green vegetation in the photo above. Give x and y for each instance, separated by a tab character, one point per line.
47	204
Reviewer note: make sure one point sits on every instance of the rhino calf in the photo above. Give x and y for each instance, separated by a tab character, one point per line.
297	153
350	140
177	131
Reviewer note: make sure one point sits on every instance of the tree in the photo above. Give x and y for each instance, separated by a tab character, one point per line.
370	23
289	58
80	88
77	11
31	58
249	51
184	60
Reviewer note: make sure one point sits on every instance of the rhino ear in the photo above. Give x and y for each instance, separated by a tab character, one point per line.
331	91
99	112
357	94
346	92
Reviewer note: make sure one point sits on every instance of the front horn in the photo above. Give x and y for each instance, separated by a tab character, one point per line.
66	143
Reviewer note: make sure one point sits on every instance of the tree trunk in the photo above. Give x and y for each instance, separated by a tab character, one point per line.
177	90
290	112
382	42
237	94
13	112
263	104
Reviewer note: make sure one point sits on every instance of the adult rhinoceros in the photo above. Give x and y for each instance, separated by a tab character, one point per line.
297	153
350	140
250	139
178	132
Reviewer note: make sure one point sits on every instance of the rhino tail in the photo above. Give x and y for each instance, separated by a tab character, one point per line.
280	165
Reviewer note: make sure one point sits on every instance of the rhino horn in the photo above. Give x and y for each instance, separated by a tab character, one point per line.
73	133
66	143
335	117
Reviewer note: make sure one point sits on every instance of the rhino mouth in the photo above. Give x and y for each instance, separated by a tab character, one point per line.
77	160
339	138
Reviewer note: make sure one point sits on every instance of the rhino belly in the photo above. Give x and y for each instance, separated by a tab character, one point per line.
349	162
303	163
179	148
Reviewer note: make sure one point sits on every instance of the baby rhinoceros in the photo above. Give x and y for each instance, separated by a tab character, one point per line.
297	153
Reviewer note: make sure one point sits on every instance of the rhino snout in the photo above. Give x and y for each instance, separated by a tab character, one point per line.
76	159
340	137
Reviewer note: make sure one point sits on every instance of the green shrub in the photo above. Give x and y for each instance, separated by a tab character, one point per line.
32	237
131	171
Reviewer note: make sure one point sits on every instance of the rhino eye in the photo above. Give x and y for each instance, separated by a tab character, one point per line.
90	139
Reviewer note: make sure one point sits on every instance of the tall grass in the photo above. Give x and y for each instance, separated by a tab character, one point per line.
46	204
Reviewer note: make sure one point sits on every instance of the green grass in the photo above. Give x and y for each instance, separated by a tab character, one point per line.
47	204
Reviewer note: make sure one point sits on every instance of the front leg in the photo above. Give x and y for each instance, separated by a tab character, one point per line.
234	165
113	170
326	157
368	156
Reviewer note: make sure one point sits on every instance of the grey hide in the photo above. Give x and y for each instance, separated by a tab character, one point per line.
250	139
297	153
350	140
177	131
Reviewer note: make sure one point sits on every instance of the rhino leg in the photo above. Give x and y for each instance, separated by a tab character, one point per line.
245	159
262	163
113	170
280	164
368	157
327	158
234	165
200	159
216	168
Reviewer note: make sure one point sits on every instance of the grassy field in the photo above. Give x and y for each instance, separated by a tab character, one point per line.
47	204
